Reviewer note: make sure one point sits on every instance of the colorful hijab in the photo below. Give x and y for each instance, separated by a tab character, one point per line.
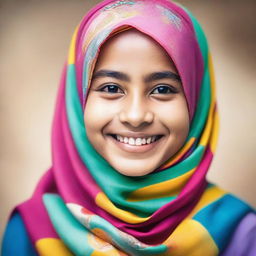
82	206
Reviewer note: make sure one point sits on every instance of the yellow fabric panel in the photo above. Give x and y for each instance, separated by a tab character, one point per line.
180	154
215	132
104	203
212	77
210	195
163	189
208	127
190	238
71	55
52	247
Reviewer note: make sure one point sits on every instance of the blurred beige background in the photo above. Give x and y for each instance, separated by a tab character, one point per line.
34	38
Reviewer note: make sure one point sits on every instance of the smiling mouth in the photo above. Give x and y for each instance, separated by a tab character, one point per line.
141	141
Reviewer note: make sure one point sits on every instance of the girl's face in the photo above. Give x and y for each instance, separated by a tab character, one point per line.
136	114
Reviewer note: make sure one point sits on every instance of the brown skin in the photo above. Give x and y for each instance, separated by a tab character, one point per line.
135	107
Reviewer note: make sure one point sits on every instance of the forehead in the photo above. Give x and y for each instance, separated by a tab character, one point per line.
133	47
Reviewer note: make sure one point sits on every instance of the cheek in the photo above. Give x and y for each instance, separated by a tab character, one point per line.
97	114
92	116
175	116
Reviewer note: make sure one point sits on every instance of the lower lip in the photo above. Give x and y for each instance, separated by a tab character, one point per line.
135	148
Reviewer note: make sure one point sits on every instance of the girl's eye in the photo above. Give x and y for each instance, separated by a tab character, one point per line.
111	88
164	89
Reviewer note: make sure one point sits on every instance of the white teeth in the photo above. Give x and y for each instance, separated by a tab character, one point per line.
136	141
149	140
131	141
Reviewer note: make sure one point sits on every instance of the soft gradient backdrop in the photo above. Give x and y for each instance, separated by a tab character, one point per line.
34	39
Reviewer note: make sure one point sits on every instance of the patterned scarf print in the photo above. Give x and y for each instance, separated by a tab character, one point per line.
82	206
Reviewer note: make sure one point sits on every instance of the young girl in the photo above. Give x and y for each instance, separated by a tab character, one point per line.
134	133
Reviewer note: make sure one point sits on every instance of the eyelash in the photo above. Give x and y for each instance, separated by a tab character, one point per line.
171	89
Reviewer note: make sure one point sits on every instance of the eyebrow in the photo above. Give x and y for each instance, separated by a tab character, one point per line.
124	77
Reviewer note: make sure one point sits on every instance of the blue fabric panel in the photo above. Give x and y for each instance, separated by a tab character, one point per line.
16	241
222	217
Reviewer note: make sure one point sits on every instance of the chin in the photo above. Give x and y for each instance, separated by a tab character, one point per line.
134	171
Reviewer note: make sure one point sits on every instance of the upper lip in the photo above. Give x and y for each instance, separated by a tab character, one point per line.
134	134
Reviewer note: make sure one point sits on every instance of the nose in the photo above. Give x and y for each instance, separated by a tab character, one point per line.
136	112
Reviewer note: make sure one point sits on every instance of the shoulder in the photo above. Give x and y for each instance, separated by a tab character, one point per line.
222	213
16	234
